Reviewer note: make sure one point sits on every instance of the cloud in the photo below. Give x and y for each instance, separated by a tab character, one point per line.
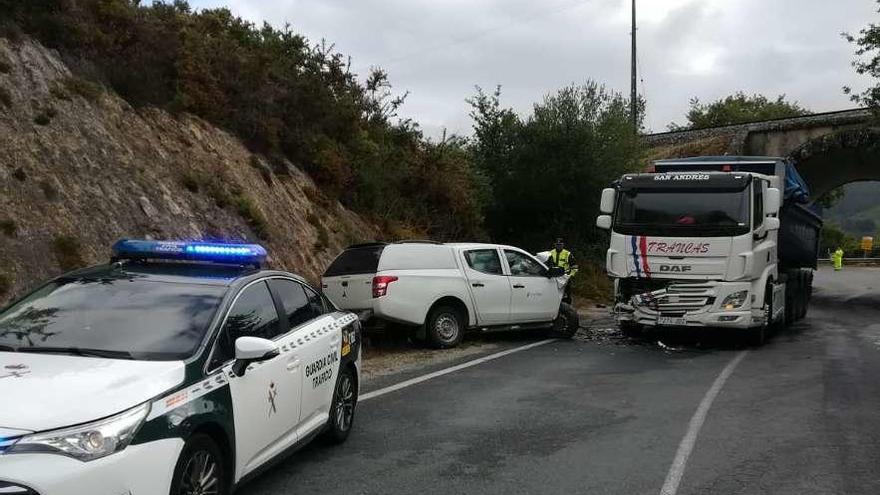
439	50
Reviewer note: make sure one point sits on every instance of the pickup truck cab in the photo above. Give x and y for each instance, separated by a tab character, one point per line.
445	289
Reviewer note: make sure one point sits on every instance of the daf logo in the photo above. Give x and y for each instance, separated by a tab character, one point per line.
675	268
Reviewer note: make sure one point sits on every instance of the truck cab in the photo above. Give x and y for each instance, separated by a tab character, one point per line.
695	243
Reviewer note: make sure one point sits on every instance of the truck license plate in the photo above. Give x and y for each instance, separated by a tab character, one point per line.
671	321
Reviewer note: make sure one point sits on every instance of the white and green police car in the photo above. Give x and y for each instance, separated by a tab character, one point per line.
178	368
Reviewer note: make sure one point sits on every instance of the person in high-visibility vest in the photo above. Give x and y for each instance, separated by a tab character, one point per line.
837	259
561	257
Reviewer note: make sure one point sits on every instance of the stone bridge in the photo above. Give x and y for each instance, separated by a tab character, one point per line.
829	149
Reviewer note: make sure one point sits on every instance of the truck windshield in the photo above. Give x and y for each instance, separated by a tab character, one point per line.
690	213
126	317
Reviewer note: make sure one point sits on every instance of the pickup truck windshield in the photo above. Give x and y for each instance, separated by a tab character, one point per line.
690	213
130	317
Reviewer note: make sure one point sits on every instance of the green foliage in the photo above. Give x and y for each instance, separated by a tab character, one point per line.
68	252
282	95
8	227
592	283
867	62
253	216
833	237
737	109
831	198
547	171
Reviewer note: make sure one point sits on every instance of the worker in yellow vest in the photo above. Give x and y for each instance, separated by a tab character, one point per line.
837	259
561	257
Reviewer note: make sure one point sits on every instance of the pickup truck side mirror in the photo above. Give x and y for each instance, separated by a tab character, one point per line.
252	350
608	197
772	201
771	223
555	271
603	222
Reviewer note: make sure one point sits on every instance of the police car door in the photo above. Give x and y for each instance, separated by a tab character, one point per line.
265	400
322	336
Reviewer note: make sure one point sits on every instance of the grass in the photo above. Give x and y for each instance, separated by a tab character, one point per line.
323	239
81	87
68	252
263	168
592	284
59	92
253	216
8	227
190	181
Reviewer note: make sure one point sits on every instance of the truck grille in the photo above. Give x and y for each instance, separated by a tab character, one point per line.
678	298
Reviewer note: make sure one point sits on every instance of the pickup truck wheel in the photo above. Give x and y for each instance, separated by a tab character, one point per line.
567	323
445	327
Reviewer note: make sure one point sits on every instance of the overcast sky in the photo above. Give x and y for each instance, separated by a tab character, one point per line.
440	49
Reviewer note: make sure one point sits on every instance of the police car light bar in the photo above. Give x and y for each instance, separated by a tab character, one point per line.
213	252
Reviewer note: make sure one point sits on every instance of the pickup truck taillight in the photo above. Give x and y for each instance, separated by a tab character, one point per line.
380	285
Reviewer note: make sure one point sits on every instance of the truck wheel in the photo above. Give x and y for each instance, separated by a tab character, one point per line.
199	469
567	323
769	309
804	295
757	336
790	289
445	327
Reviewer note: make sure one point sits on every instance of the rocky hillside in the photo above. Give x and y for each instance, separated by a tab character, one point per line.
80	168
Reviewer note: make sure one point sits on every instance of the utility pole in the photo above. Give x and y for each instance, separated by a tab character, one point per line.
634	95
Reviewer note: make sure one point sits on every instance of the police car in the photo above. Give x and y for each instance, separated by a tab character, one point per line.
178	368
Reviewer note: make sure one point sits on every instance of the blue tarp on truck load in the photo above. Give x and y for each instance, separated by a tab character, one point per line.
795	187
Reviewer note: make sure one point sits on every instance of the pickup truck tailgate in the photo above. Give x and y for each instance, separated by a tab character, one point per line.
350	292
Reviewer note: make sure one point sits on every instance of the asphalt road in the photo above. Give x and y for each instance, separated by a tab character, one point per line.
603	414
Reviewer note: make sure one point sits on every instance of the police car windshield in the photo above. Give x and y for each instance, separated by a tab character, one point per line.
130	315
689	213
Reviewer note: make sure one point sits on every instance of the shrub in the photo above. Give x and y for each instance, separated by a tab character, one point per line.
81	87
190	181
68	252
49	190
5	66
59	92
5	285
592	283
19	174
45	116
253	216
5	97
8	227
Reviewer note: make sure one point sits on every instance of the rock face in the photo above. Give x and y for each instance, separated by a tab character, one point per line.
80	168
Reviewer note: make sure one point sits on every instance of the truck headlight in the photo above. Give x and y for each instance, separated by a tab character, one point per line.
86	442
735	300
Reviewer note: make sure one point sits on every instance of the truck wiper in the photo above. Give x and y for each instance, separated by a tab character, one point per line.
79	351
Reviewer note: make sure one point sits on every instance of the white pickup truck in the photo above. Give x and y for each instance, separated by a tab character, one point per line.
444	289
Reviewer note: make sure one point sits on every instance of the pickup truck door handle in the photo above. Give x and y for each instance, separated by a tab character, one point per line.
477	284
518	286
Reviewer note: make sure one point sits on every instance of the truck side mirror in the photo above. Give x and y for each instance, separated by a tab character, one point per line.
603	222
607	203
772	201
771	223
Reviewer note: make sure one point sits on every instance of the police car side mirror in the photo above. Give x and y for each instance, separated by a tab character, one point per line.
252	350
555	271
603	222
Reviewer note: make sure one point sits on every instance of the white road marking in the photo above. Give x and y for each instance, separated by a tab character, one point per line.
676	471
446	371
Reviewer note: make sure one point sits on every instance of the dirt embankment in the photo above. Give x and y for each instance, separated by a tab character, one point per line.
80	168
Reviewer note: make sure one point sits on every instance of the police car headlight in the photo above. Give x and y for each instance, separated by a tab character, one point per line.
735	300
86	442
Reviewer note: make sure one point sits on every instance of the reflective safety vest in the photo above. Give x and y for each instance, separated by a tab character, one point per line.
837	259
560	259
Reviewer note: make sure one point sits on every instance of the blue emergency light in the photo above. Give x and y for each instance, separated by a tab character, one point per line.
197	251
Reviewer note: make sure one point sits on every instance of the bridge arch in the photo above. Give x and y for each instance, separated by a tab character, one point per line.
839	158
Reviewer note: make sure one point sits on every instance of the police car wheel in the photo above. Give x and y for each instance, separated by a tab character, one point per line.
342	409
567	323
199	470
445	327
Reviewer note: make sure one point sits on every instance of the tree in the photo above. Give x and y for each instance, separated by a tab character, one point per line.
737	109
867	63
546	171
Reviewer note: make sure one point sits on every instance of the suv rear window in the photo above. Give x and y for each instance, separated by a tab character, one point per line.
355	261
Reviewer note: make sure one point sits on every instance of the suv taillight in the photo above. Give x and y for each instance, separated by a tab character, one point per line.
380	285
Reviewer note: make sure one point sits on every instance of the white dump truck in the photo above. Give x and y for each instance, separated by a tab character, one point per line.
711	242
